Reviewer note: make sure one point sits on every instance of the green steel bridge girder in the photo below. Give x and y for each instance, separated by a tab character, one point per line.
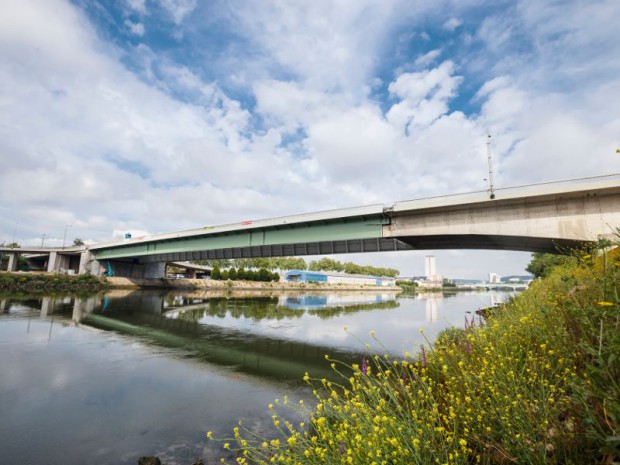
332	230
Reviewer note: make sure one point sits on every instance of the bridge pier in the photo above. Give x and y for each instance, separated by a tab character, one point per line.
89	264
136	270
58	262
154	270
12	262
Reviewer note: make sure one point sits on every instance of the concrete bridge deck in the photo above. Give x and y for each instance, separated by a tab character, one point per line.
541	218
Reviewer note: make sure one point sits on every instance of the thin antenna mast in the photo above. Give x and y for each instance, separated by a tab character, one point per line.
489	157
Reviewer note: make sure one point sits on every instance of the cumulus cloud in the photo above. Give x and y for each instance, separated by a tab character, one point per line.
178	9
428	58
135	28
335	51
317	113
423	96
137	5
452	23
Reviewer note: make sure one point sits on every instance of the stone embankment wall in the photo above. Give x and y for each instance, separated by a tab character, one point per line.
240	285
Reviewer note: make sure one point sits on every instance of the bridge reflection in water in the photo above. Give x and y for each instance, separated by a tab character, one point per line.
173	320
266	334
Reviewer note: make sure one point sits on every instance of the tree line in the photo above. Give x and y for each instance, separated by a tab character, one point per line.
293	263
241	273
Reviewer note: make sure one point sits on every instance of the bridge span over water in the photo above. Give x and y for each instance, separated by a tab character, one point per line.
539	218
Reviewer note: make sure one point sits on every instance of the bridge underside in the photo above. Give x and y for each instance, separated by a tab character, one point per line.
153	266
491	242
279	250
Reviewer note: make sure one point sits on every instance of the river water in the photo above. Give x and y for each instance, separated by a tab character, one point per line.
112	377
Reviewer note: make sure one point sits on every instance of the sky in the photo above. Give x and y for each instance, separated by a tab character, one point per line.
150	116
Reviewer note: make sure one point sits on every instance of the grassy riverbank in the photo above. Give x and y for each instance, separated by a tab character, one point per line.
537	382
45	282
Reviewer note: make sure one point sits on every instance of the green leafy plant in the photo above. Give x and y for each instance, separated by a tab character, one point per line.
536	381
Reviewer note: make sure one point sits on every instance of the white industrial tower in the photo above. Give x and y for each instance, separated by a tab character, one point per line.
430	268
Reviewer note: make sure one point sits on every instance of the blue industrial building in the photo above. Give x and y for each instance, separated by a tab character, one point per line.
302	276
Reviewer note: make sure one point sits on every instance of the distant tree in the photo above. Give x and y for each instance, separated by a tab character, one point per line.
220	263
250	265
293	263
275	277
78	241
267	263
241	273
263	275
329	264
250	275
216	273
542	263
224	275
12	245
242	262
232	273
351	268
448	283
389	272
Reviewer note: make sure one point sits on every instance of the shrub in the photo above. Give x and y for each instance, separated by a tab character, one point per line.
216	274
263	275
538	382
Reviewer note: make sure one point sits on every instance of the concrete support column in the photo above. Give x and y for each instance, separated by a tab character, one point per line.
191	274
154	270
12	262
58	262
64	263
89	264
3	307
52	263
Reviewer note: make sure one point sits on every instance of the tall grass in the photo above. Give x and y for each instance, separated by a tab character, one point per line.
536	382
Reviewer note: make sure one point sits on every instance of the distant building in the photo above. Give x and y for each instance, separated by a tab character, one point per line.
430	267
494	278
303	276
432	279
